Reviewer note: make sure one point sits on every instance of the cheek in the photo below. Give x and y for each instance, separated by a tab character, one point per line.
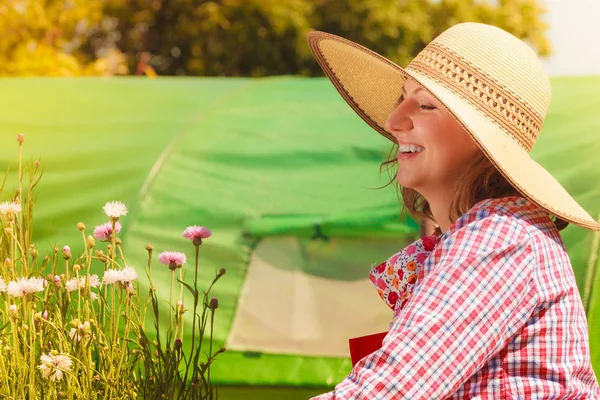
454	147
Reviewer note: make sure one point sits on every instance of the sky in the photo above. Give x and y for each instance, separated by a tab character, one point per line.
574	36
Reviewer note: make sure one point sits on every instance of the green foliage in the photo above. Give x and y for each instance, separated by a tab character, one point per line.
56	37
268	37
66	333
232	37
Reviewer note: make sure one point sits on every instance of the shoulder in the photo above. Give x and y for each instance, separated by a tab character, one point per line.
492	225
506	216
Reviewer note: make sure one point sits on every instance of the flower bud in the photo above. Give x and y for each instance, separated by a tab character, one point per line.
57	281
8	264
66	252
149	247
178	344
80	226
214	303
180	309
76	267
90	242
222	271
13	311
20	138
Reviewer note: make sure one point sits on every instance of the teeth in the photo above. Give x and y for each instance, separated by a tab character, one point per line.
410	148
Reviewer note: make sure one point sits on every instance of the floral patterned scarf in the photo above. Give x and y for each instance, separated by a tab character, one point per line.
396	278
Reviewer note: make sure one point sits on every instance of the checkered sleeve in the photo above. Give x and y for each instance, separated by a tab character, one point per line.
477	294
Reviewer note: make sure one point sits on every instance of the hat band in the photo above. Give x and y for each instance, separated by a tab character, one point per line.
511	113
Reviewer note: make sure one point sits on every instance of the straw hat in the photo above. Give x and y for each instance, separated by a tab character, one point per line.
492	83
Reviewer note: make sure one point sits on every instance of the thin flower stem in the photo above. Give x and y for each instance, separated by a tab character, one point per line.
79	292
20	217
171	297
180	312
121	254
113	248
125	336
192	348
212	323
11	246
32	336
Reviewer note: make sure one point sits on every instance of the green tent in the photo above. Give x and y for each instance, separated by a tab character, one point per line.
285	175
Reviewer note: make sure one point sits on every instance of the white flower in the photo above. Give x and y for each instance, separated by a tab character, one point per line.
2	285
127	275
25	286
53	366
73	284
111	276
9	207
93	296
115	209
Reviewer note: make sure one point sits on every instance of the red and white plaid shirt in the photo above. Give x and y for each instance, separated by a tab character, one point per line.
496	314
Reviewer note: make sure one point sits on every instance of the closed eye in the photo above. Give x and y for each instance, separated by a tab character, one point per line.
429	108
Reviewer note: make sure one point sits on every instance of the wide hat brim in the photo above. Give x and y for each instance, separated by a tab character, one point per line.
372	85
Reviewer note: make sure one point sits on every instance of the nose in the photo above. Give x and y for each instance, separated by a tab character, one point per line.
399	120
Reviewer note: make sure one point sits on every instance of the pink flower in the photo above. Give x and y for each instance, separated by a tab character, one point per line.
381	283
393	298
196	233
104	231
421	257
410	249
400	274
172	258
429	242
380	268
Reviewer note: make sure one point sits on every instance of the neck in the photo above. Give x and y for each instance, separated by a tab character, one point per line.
439	203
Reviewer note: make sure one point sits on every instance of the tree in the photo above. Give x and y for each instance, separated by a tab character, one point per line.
232	37
268	37
54	37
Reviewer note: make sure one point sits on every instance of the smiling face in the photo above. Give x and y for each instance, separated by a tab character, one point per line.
433	147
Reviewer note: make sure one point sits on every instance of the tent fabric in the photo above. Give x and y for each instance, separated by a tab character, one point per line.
269	165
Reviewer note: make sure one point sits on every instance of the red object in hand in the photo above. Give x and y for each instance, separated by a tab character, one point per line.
362	346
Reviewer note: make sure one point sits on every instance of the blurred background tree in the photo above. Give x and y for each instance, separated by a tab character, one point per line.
232	37
55	38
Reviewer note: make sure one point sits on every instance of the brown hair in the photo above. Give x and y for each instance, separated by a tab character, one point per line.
479	181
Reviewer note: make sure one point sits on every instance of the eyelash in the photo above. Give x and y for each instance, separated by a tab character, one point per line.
422	106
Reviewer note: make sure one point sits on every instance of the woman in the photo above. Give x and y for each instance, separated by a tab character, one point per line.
487	307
